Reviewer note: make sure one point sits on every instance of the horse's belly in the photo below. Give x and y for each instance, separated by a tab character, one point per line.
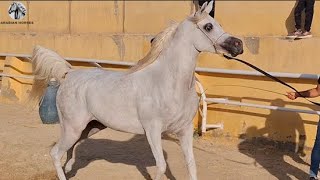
129	125
113	104
122	119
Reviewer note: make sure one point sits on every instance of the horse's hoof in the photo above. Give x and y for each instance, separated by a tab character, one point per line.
68	166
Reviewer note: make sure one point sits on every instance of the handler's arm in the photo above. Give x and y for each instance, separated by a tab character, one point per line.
315	92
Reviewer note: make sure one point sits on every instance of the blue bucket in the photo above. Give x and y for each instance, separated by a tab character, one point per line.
48	109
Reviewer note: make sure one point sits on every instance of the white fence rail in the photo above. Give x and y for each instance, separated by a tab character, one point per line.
198	69
204	99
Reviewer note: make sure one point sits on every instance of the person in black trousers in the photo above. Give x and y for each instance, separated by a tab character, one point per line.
308	6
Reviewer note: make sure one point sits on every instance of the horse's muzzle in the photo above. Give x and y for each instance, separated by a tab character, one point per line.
233	46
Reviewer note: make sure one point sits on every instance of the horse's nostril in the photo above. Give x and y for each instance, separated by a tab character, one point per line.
238	43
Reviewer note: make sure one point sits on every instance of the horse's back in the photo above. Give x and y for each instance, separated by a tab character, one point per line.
88	74
77	82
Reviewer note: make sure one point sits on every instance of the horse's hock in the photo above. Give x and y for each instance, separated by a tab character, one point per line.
121	31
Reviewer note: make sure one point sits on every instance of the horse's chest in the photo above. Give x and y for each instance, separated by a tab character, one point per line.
173	111
181	109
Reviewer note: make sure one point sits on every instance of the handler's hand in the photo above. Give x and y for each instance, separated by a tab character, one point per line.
292	95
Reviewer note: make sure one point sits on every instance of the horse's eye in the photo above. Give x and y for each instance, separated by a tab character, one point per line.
208	27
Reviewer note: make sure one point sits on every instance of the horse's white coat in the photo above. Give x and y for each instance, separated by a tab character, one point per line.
158	98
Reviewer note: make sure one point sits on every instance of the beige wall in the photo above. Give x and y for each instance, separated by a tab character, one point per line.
121	31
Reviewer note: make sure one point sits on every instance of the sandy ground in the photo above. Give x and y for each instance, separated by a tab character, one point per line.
25	145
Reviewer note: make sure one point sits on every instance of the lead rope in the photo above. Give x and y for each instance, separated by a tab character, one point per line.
256	68
269	76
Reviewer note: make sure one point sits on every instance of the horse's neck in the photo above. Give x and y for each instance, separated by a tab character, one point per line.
177	62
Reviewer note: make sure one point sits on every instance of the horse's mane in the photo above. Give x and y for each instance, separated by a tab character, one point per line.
21	8
158	44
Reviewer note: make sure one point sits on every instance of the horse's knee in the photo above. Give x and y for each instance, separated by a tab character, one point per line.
162	168
191	163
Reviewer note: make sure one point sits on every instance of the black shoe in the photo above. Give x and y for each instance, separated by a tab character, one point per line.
313	178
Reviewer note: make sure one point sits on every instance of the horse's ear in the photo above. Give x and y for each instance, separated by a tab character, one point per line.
203	7
194	10
209	7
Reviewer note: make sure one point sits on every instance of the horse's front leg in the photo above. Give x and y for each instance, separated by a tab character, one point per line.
186	142
153	133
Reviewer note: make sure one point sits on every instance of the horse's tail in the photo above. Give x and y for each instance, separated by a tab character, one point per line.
46	64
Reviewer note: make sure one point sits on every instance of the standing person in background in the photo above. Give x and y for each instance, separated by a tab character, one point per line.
308	6
199	3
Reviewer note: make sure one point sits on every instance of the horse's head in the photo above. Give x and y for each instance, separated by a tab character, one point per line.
13	7
208	36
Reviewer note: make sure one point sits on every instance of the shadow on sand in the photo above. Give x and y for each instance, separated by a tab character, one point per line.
270	153
136	151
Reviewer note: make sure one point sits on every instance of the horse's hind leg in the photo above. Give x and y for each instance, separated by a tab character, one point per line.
69	136
92	128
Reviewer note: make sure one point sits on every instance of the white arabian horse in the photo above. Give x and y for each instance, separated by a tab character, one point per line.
156	96
17	11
